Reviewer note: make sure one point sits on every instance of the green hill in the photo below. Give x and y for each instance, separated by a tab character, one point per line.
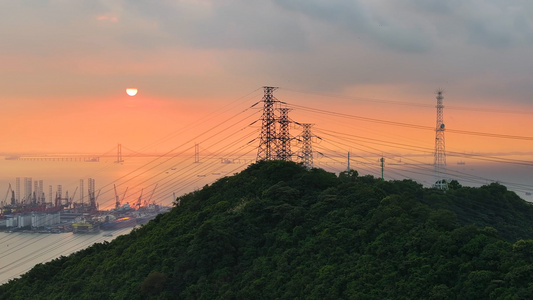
280	231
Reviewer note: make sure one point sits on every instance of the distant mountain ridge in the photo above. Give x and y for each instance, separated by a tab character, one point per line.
280	231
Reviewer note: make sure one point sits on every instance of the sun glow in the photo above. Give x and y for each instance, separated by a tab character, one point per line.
131	91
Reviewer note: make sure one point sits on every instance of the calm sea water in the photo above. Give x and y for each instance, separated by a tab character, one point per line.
19	252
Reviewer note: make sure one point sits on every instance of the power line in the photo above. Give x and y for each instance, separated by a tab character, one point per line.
407	125
413	104
224	143
422	150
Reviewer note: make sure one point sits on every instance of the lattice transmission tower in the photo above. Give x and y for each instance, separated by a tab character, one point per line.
268	139
307	146
196	153
284	139
440	149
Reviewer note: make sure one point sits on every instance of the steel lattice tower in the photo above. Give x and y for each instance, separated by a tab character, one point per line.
268	140
196	153
440	150
307	147
284	139
92	196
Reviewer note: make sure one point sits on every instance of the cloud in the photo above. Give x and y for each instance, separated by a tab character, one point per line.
491	24
362	19
332	45
499	26
224	25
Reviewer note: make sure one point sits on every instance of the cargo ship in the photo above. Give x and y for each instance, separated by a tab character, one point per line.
85	227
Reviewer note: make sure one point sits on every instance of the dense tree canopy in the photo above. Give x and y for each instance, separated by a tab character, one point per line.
278	230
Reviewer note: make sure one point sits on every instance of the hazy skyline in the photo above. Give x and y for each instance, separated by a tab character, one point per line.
66	66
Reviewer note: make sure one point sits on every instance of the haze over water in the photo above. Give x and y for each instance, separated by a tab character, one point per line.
20	251
161	179
134	174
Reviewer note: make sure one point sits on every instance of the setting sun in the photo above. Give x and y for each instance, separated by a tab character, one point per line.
131	91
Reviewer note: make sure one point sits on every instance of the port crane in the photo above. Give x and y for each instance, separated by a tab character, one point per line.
117	201
139	200
13	200
149	199
71	201
124	195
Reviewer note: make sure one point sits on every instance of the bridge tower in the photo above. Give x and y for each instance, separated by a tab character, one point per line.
440	150
119	154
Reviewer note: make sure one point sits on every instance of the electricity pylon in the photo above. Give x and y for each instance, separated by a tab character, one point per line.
267	149
284	139
440	150
307	147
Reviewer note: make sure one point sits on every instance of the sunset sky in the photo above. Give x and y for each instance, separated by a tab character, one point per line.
65	67
363	72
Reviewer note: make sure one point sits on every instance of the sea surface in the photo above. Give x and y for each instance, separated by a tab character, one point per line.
19	252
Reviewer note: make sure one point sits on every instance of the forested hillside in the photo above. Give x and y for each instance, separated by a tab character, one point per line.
278	230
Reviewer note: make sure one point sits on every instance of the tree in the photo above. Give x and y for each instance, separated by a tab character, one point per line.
153	284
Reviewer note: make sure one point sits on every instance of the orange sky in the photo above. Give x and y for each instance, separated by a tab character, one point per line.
95	126
65	70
